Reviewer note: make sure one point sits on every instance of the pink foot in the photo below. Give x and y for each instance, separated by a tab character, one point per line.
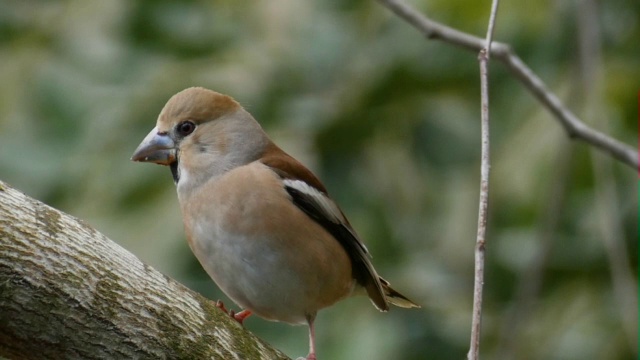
309	357
239	317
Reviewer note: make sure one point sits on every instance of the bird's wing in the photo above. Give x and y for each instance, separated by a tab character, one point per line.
308	194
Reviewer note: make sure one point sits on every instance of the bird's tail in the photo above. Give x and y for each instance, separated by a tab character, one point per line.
394	297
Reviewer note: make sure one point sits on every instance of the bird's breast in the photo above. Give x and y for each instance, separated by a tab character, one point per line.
261	250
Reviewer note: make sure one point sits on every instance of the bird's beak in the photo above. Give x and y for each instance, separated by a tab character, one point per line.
157	148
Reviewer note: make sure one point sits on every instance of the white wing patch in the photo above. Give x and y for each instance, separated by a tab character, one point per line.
323	203
326	205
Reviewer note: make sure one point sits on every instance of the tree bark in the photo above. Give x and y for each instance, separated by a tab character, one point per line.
68	292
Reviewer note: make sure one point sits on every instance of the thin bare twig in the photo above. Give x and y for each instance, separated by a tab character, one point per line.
574	127
476	320
489	38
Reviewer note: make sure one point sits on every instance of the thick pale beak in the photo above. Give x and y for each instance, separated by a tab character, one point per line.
157	148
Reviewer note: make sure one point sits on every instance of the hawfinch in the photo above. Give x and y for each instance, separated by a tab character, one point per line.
260	223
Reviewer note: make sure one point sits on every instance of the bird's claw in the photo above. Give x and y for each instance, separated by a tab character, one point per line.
239	317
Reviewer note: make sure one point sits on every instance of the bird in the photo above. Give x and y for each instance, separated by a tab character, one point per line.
260	223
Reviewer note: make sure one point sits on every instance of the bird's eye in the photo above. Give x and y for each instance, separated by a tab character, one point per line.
185	128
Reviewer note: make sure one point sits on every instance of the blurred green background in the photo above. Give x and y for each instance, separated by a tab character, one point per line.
390	122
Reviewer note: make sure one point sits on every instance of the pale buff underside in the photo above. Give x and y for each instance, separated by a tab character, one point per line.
229	226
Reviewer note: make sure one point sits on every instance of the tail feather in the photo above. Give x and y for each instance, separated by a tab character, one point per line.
395	298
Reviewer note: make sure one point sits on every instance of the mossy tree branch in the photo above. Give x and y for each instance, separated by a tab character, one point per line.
67	291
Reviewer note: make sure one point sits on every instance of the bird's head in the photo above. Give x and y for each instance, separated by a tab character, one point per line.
201	133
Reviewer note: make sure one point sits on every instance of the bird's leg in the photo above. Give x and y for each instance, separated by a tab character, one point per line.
312	338
239	317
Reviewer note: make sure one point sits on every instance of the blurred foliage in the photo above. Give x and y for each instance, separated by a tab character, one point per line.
389	121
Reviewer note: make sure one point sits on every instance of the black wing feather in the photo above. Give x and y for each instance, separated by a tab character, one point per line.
362	268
